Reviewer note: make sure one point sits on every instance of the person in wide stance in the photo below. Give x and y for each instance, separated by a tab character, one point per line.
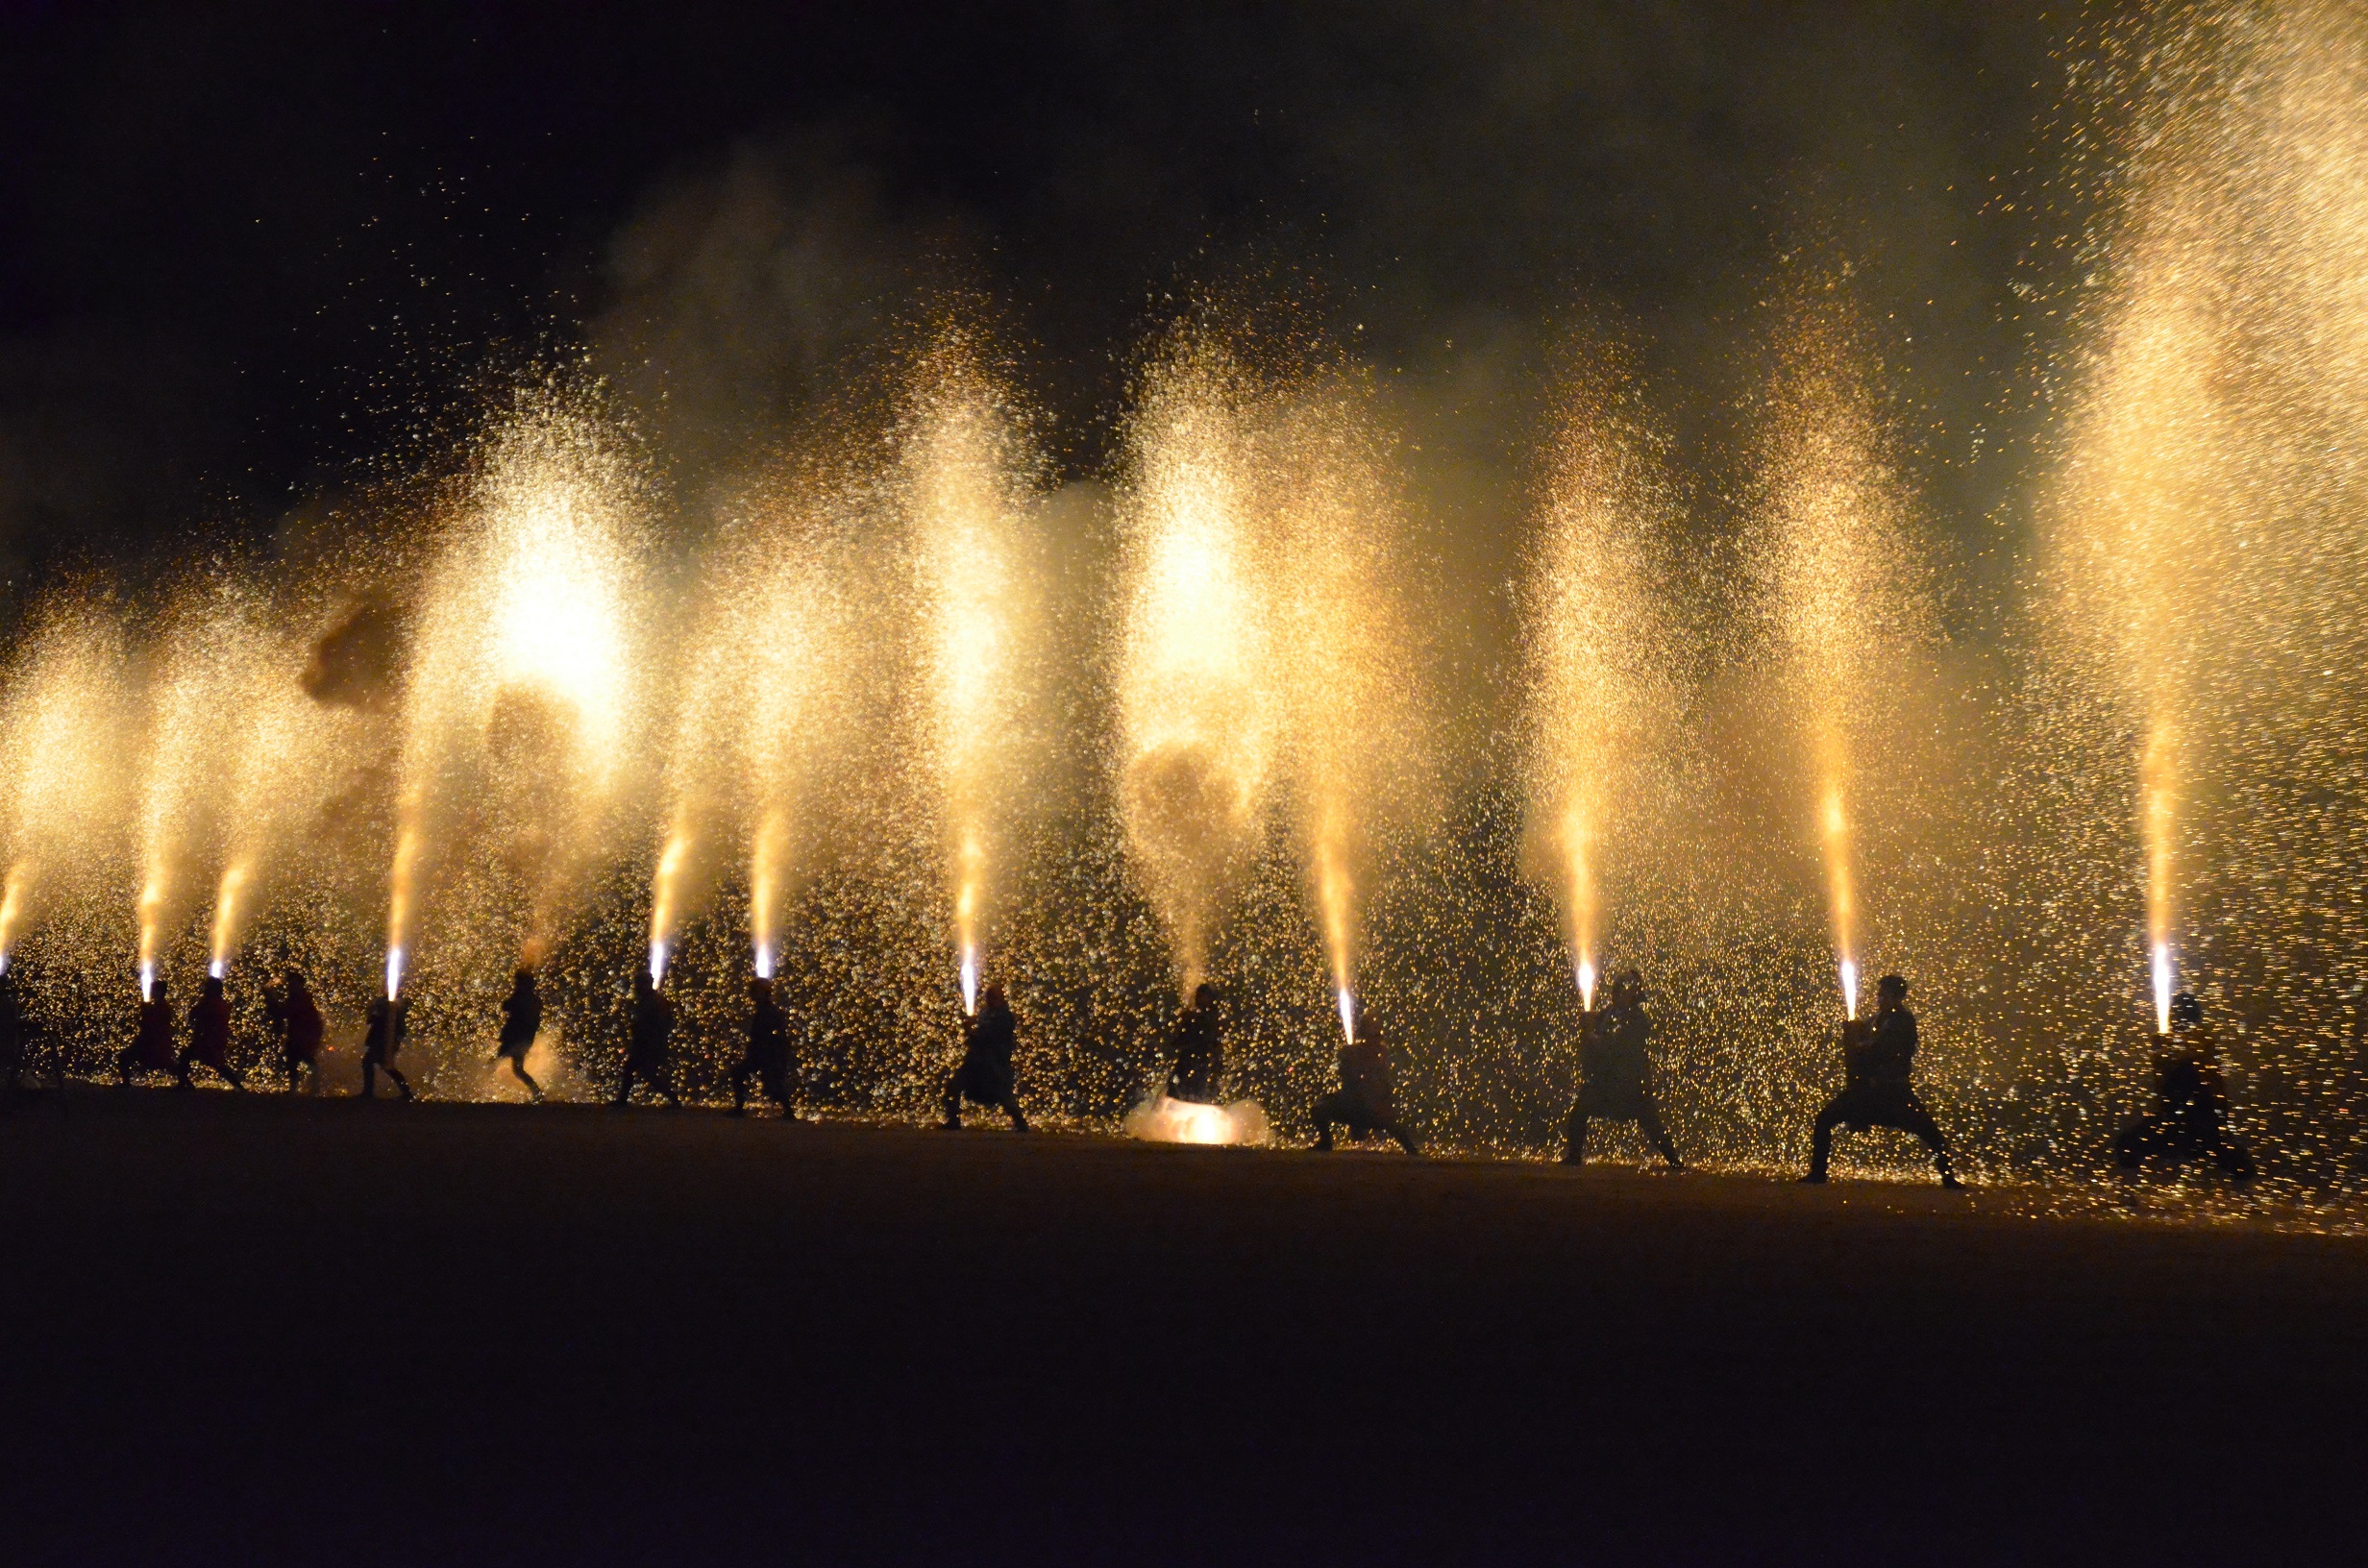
209	1036
985	1075
1616	1074
1877	1060
1367	1101
2191	1115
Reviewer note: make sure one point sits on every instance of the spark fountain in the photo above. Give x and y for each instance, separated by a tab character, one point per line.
523	681
1848	586
63	734
198	719
1198	712
966	473
2204	547
1594	639
1340	645
752	723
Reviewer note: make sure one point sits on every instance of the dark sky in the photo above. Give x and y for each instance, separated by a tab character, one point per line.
247	246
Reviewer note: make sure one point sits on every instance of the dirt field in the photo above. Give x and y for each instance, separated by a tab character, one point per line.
237	1328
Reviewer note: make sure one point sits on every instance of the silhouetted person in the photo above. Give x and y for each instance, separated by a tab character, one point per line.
12	1041
152	1044
296	1019
1367	1100
385	1027
1616	1072
985	1075
209	1036
1200	1049
2192	1100
648	1042
770	1058
1877	1060
522	1019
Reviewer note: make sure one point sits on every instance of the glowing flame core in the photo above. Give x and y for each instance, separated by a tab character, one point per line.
1850	988
394	972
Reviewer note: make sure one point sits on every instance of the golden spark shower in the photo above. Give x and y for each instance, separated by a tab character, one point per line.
966	481
1197	700
523	680
1595	641
1849	592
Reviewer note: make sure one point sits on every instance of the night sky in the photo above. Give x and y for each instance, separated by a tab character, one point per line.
252	251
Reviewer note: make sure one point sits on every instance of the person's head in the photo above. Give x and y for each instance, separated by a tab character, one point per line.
522	982
1628	986
1204	994
157	989
992	1000
2186	1009
211	987
295	981
643	985
761	988
1891	990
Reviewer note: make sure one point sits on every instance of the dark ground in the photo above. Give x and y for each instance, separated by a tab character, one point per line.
240	1330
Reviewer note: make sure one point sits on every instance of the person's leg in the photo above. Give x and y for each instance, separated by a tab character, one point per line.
1658	1136
1010	1105
123	1065
1405	1139
402	1083
180	1072
1328	1112
1821	1139
1574	1137
369	1079
1912	1118
239	1080
740	1089
625	1083
954	1104
776	1083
